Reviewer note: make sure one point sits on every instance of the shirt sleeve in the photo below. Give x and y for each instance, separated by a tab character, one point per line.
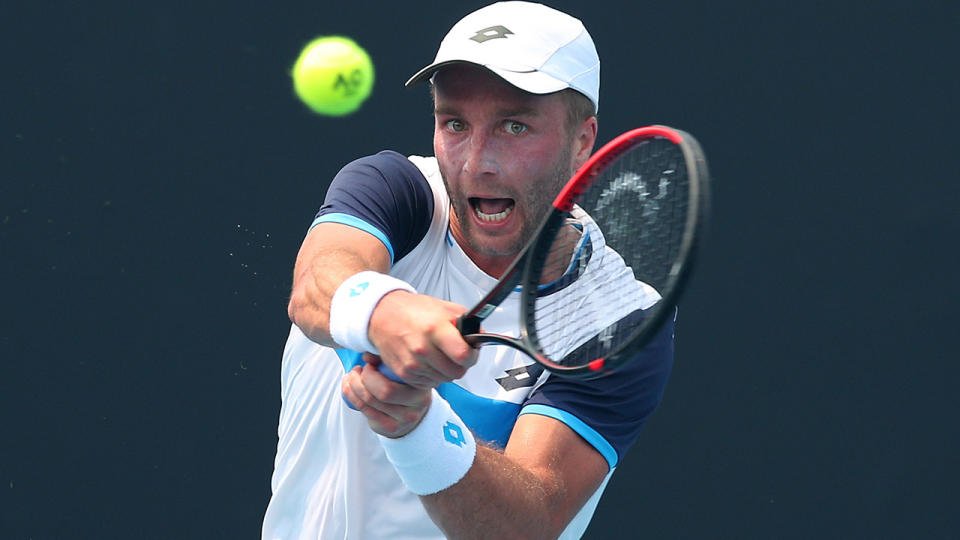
608	412
385	195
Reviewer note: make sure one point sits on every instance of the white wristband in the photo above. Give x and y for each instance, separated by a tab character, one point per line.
353	304
436	454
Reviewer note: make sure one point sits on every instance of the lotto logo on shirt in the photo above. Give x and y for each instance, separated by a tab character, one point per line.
453	434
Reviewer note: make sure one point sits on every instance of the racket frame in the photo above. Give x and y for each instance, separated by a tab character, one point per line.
525	270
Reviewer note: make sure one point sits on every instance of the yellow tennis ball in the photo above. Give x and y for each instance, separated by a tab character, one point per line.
333	75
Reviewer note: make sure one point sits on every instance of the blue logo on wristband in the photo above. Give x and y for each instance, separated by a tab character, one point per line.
453	434
355	291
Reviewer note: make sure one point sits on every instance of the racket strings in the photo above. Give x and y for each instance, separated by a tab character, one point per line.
633	215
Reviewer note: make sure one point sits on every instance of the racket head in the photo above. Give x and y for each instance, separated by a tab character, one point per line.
635	211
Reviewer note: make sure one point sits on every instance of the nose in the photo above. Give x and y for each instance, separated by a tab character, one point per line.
481	155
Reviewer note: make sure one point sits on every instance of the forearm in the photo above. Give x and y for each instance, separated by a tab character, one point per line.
309	306
326	259
541	480
498	498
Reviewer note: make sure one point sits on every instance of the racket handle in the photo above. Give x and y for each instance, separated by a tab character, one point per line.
468	325
387	372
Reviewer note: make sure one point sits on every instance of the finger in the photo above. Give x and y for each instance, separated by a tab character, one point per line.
355	390
377	413
416	367
348	392
390	395
451	341
455	310
381	422
375	360
399	406
406	372
444	355
458	353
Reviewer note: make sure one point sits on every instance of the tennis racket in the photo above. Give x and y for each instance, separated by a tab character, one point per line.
610	260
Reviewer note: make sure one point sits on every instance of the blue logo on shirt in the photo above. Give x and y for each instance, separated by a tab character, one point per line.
453	434
355	291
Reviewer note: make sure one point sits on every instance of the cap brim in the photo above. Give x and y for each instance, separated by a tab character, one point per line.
427	72
535	82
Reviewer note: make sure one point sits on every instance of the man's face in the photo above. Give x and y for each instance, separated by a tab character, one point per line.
504	155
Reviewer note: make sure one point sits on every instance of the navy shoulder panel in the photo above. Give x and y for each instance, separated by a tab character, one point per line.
385	192
616	406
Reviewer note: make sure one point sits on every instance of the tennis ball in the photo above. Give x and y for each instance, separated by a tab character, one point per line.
333	75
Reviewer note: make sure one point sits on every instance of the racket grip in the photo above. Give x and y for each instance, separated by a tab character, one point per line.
387	372
468	325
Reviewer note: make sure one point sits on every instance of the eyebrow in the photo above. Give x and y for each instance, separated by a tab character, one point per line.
519	111
514	112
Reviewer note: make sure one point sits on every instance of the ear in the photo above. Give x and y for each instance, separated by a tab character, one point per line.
583	140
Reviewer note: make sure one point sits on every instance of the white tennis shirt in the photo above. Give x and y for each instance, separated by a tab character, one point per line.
331	478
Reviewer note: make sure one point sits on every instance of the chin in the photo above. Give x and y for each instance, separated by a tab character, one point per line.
497	247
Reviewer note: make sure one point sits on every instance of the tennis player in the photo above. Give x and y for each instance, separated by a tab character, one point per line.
478	443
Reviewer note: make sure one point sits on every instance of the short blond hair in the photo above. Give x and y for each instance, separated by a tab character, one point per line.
579	108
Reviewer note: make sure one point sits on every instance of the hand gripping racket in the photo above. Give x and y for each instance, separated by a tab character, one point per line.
633	214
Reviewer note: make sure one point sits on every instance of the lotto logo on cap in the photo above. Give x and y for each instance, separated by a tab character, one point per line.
531	46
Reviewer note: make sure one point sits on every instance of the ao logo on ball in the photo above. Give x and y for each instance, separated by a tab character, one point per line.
333	76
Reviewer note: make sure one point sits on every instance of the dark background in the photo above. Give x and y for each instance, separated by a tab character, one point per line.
157	175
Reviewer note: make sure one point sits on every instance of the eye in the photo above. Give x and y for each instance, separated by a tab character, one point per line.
455	125
515	128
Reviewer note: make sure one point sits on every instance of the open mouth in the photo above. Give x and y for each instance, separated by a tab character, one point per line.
491	210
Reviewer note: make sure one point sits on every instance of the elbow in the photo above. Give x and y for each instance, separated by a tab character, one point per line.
304	314
292	310
295	306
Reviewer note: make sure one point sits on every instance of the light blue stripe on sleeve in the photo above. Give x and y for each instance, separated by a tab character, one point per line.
582	429
353	221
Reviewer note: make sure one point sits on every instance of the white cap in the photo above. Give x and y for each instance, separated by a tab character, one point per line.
531	46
